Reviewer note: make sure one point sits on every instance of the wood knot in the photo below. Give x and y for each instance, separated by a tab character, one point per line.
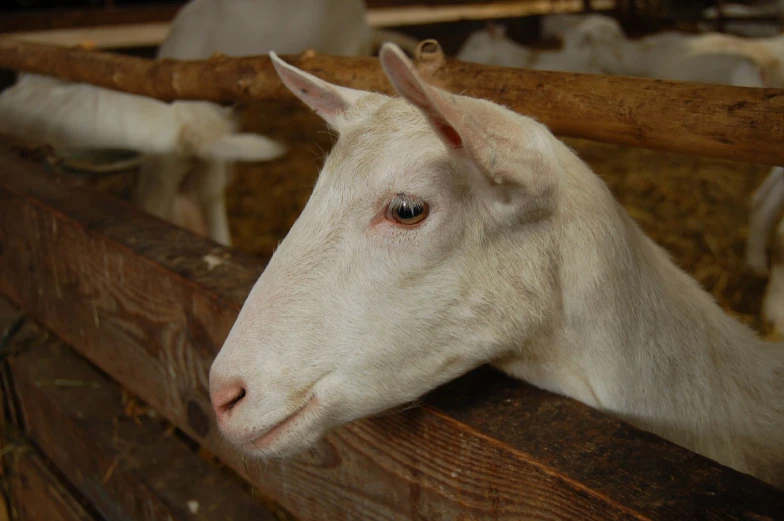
198	419
429	50
429	56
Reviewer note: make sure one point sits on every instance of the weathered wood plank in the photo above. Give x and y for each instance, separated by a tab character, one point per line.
128	466
37	494
39	20
135	296
739	123
9	318
381	13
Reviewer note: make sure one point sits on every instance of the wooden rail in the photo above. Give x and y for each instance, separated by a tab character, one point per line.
744	124
148	26
37	492
126	464
151	305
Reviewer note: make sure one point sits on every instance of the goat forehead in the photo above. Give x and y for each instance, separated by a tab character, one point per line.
380	146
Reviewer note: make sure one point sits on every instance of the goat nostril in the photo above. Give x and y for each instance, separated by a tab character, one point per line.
234	401
228	398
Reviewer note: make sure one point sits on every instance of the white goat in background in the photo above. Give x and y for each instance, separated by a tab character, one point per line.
580	30
188	146
189	137
445	231
491	46
253	27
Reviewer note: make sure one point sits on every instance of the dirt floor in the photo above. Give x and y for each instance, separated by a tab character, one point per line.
696	208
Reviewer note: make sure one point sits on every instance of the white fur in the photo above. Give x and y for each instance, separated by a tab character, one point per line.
722	59
708	58
193	133
249	27
189	145
255	27
580	30
524	260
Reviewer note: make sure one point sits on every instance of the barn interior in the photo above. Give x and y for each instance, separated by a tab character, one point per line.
697	208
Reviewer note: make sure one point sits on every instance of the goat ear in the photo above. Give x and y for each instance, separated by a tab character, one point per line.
505	147
408	84
327	100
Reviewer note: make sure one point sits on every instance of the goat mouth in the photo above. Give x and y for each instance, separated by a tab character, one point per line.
268	437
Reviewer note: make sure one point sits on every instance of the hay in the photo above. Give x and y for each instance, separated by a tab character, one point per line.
696	208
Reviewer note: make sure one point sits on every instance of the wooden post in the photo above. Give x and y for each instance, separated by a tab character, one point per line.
743	124
151	305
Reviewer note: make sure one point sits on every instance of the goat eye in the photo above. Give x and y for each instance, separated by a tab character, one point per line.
406	209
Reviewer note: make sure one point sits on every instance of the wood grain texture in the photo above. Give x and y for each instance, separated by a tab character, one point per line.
9	318
39	495
39	20
744	124
133	294
128	467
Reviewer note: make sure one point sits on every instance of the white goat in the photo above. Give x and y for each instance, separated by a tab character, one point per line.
251	27
491	47
708	58
243	28
189	145
723	59
712	58
190	133
580	30
445	231
766	211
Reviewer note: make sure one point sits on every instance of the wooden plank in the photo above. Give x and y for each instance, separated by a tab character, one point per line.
43	19
744	124
111	37
71	26
128	466
385	12
9	320
152	34
151	305
37	494
426	13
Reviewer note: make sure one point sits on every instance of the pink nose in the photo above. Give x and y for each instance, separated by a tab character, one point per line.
227	397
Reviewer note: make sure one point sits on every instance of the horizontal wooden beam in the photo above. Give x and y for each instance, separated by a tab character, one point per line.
421	13
105	37
151	305
127	464
48	19
36	493
743	124
148	26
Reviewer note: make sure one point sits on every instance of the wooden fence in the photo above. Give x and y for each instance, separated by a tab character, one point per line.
94	279
739	123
